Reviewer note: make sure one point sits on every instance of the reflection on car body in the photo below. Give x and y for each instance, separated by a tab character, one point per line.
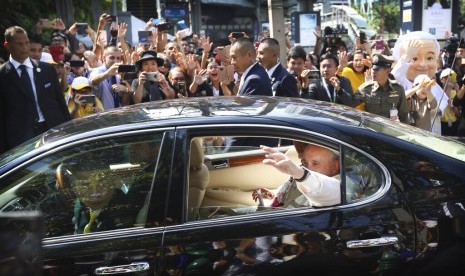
181	181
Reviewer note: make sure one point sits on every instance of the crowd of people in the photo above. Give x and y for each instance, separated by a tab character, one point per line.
414	81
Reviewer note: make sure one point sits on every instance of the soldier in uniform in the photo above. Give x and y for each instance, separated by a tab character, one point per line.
382	95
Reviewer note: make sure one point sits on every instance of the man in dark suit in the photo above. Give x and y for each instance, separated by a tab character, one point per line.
283	84
254	79
31	101
329	87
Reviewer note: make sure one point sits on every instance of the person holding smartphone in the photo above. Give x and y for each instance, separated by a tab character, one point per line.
177	78
82	102
150	85
214	81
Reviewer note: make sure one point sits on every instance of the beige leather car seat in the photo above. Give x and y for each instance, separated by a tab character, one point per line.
233	187
199	176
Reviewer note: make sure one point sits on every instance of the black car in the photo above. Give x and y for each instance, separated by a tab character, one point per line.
165	188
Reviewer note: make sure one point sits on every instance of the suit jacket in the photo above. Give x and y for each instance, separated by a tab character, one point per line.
318	92
256	82
17	104
283	84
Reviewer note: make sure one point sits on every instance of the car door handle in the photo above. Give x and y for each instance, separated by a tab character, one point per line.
372	242
220	164
130	268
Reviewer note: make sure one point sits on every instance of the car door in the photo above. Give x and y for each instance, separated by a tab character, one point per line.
217	227
102	201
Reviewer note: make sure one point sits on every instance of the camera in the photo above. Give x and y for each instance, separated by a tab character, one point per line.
333	38
151	76
76	63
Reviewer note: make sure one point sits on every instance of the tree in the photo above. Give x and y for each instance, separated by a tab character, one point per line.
26	13
386	16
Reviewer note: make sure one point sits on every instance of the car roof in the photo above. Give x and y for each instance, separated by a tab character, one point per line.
219	109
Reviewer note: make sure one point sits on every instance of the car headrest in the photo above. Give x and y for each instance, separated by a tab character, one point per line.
196	153
63	184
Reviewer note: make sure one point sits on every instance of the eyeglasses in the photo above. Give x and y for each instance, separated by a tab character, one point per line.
179	79
58	40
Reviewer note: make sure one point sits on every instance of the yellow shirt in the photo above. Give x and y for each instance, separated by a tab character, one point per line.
356	79
84	110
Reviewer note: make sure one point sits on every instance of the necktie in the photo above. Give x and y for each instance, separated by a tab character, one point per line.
115	94
27	82
88	227
241	83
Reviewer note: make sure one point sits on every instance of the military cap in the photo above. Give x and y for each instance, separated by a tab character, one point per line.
381	61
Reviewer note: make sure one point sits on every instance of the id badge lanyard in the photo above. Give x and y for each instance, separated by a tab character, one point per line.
332	98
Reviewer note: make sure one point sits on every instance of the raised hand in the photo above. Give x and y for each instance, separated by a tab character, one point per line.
206	44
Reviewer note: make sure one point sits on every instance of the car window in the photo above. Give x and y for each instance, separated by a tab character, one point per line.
91	187
226	183
363	176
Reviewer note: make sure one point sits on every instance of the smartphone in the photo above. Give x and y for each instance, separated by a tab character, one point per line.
76	63
202	33
49	24
314	75
113	18
129	76
463	61
182	88
379	45
82	28
237	35
363	37
57	52
124	68
144	36
151	76
164	26
87	99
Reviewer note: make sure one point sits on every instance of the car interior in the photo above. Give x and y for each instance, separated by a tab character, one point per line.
223	184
